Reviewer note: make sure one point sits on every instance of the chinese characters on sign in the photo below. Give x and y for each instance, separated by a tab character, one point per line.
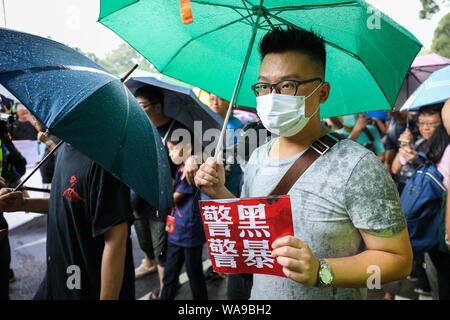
240	232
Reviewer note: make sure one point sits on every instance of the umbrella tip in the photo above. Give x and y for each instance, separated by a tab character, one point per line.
125	77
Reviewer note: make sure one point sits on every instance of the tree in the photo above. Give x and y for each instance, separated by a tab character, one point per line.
441	40
123	58
430	7
120	60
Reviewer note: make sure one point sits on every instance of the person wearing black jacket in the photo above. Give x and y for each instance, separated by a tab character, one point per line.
12	167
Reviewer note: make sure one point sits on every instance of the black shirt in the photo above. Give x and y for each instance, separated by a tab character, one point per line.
48	167
9	173
85	202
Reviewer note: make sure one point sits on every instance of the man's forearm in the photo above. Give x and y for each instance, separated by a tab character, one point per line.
355	271
220	193
39	205
354	135
113	266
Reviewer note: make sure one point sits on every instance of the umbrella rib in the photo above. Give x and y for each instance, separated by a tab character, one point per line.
199	36
248	11
217	4
127	117
239	13
415	77
423	68
317	6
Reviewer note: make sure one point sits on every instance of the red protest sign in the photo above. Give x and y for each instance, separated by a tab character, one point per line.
240	233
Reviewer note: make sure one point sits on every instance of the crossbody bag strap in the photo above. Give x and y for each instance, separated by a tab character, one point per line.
316	149
368	134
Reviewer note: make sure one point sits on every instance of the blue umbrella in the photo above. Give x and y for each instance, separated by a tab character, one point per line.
84	105
180	102
435	89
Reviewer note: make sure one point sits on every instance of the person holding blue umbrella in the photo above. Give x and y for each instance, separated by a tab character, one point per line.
344	200
434	90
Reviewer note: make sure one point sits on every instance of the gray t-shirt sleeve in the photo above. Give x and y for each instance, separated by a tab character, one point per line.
372	200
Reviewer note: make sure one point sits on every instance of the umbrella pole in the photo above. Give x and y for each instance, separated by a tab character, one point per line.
40	164
35	189
219	147
407	92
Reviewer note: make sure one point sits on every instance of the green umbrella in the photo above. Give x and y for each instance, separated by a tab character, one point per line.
368	54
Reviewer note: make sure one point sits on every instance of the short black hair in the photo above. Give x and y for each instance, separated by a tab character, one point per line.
280	40
432	109
151	93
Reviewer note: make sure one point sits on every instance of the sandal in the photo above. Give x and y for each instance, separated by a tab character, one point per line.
143	270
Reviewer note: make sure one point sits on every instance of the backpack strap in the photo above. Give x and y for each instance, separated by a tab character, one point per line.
317	149
368	134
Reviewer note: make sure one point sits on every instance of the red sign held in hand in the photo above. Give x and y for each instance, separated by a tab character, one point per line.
240	233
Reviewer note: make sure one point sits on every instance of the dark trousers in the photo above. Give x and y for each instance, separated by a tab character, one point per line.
5	260
192	258
441	262
239	286
422	278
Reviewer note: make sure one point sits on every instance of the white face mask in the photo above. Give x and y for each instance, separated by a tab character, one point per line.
283	115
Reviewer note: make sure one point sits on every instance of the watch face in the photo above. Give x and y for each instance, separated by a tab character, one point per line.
326	276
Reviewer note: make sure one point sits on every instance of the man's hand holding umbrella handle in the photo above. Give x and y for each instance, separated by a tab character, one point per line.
210	179
11	201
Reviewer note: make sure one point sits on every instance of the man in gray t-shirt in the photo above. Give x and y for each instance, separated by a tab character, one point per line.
349	228
342	191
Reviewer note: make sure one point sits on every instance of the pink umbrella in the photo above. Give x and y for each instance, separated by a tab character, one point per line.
421	68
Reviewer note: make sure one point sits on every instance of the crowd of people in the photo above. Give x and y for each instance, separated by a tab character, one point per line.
346	206
403	141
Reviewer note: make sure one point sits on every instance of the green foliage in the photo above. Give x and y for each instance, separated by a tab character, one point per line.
123	58
423	52
120	60
441	40
431	7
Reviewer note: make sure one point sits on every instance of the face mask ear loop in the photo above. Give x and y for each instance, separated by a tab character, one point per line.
318	107
314	90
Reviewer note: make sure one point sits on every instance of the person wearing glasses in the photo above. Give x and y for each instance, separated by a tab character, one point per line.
428	120
347	217
432	141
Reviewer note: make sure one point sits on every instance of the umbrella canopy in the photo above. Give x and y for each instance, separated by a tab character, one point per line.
421	68
436	89
81	103
180	101
364	66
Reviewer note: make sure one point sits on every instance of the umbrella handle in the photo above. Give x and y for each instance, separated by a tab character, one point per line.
40	164
219	147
